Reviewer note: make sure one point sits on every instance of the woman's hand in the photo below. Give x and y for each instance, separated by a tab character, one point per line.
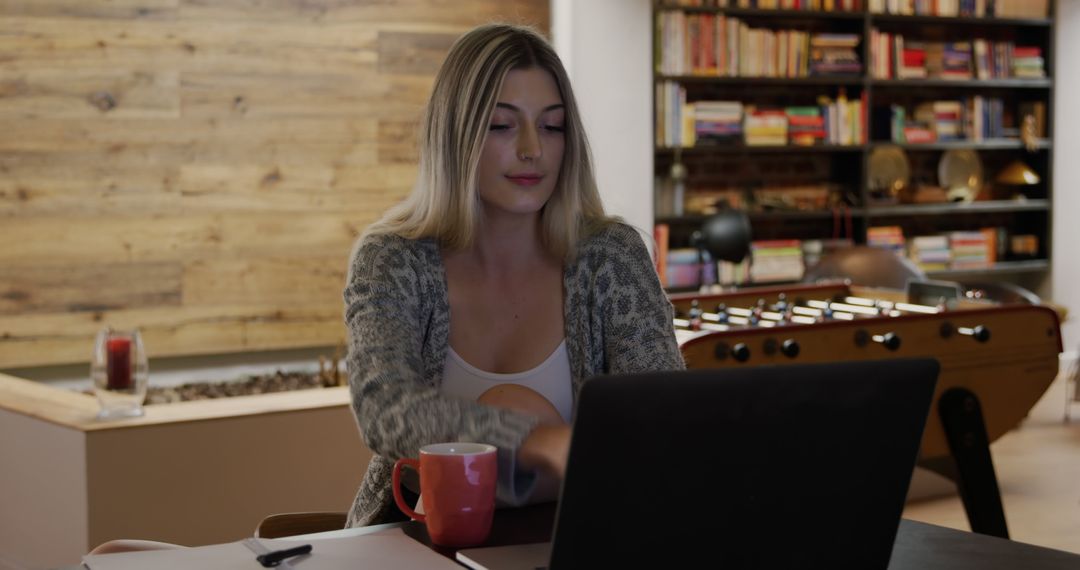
547	446
546	449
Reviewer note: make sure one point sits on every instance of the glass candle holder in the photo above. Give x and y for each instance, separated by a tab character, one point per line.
119	369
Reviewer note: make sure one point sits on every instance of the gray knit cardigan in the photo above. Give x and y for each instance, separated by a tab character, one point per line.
617	320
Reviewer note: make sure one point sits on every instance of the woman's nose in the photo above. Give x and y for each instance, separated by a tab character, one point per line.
529	144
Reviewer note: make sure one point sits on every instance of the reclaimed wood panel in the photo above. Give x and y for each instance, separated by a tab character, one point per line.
118	94
201	168
80	288
261	282
311	95
330	180
412	53
122	9
398	141
216	135
167	331
137	239
450	13
238	46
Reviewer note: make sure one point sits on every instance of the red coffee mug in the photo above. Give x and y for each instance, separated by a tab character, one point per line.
457	487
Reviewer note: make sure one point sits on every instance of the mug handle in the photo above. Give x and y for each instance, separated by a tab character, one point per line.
405	508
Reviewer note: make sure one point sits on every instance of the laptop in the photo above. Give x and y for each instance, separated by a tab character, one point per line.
799	466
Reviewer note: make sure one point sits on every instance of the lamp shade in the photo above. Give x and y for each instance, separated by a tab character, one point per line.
725	235
1017	174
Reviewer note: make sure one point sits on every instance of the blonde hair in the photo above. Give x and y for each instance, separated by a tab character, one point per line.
445	202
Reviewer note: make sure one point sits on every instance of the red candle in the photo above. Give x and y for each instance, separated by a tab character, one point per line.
119	363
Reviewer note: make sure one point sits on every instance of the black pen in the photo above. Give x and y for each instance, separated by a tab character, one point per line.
273	558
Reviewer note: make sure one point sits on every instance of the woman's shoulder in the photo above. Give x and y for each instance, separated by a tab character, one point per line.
390	243
613	237
388	249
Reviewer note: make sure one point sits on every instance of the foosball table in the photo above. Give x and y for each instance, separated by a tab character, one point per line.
996	361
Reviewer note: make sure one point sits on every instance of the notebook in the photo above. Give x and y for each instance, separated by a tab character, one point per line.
390	548
800	466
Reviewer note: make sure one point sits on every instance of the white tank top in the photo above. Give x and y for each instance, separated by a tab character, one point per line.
550	379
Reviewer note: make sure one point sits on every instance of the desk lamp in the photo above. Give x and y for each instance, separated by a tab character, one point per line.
1017	173
725	235
1015	176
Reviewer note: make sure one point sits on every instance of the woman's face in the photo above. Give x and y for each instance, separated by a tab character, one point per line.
523	152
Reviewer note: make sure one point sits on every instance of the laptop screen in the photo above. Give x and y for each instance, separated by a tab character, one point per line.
770	467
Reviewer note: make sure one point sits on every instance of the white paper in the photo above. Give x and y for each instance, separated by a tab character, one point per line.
390	549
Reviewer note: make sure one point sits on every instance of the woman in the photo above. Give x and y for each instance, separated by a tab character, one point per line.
505	232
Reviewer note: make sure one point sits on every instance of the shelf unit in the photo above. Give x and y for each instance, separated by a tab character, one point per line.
999	268
981	207
849	163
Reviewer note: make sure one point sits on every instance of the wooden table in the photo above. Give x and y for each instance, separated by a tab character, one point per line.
918	546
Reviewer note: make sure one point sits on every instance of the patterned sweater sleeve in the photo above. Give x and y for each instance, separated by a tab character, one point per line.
397	411
637	314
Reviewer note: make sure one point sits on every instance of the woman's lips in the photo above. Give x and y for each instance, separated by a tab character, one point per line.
526	180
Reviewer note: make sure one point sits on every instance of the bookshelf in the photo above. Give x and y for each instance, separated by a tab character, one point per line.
882	109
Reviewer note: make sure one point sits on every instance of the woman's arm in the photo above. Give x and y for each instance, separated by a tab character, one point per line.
639	335
546	449
396	410
546	446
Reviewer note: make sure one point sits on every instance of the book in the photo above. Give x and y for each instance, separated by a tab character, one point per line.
662	236
382	549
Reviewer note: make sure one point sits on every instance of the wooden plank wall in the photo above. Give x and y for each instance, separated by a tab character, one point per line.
200	168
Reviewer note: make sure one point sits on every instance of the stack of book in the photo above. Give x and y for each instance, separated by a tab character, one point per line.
838	122
911	58
684	124
684	268
971	250
672	115
976	118
834	54
904	131
894	57
886	237
718	122
765	127
985	118
776	260
806	126
946	118
994	60
966	8
930	253
1024	245
662	239
824	5
845	119
763	52
818	5
718	45
1027	62
949	60
734	273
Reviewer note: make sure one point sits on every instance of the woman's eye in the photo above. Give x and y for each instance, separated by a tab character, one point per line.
555	128
498	127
